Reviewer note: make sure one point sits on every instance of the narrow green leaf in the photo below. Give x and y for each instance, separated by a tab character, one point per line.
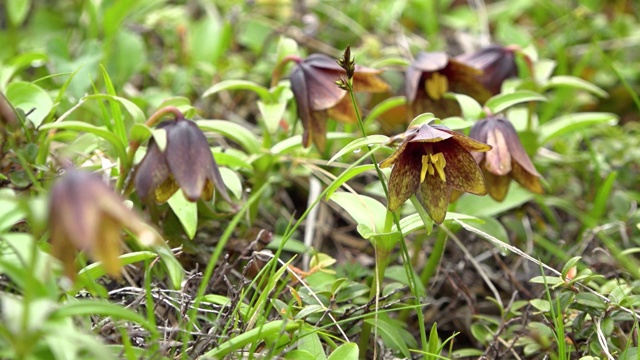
272	112
414	222
357	144
17	11
602	196
262	91
136	113
434	341
186	211
295	142
257	334
541	304
243	136
346	176
569	264
115	141
501	102
383	107
575	82
182	103
139	133
116	113
172	265
96	270
97	307
456	123
346	351
572	122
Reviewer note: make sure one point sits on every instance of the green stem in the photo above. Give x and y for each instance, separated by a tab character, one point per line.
405	252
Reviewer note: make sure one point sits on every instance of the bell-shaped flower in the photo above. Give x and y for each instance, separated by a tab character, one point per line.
85	214
185	162
506	160
431	162
497	64
431	75
313	82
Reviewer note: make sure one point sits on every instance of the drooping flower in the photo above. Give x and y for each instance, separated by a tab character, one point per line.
507	160
431	75
430	162
186	163
85	214
497	64
313	82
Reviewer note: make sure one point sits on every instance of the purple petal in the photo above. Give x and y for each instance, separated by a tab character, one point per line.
462	171
434	196
405	176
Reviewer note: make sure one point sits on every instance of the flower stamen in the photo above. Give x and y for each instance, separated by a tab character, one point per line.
432	164
436	86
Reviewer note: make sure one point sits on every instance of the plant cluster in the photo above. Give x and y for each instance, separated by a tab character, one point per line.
159	200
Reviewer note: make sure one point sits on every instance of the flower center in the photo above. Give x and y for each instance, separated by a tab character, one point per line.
432	164
436	86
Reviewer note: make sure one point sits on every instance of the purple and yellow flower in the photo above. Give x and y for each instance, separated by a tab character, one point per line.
313	82
85	214
431	161
497	64
431	75
506	160
185	163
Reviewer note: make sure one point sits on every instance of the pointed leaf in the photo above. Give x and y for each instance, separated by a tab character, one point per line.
238	133
186	211
576	83
346	176
572	122
358	144
501	102
261	91
28	97
347	351
363	209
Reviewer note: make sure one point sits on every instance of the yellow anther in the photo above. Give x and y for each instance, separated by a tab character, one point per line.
425	168
432	164
436	86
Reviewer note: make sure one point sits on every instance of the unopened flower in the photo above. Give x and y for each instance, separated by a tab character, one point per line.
85	214
430	162
186	163
431	75
313	82
507	160
497	63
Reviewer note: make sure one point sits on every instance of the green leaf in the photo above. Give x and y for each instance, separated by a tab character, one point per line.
139	133
363	209
357	144
96	270
384	106
225	301
299	355
172	265
28	96
346	351
286	46
116	113
456	123
501	102
549	280
486	206
115	141
295	142
272	112
575	82
17	11
10	210
471	109
186	211
262	91
97	307
244	137
136	114
309	339
414	222
572	122
233	182
590	300
255	335
390	335
541	304
434	341
346	176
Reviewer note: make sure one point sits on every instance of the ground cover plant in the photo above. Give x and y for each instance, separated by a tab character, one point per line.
319	179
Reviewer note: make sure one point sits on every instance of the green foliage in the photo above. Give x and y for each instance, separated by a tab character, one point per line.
304	259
